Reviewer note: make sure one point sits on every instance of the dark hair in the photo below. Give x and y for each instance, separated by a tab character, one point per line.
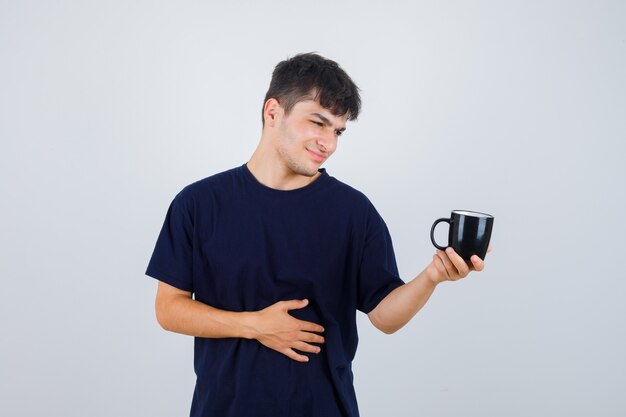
310	76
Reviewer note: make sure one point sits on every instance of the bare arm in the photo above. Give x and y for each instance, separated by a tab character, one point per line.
273	326
401	304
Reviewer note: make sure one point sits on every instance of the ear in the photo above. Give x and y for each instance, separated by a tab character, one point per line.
272	112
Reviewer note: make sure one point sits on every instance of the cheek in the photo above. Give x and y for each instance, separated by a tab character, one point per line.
305	135
308	129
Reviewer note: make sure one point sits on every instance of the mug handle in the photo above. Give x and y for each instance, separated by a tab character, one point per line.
432	232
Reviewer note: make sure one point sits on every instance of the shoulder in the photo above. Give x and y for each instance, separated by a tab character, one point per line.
360	205
356	198
206	189
209	184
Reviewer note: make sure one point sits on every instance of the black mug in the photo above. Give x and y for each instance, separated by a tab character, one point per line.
470	232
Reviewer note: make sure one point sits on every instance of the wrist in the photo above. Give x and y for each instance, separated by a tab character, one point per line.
432	275
248	327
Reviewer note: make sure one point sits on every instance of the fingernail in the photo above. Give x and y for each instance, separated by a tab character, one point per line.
448	250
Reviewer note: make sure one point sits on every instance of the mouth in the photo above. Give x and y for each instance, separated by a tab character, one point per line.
317	157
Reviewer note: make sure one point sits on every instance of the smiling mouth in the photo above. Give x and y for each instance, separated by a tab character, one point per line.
316	156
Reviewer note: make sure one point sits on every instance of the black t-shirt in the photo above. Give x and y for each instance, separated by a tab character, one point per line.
239	245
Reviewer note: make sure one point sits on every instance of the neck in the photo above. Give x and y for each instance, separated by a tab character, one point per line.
270	170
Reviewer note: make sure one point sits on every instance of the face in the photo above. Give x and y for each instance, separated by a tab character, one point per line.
308	136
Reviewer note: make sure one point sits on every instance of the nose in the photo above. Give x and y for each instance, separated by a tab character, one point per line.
327	142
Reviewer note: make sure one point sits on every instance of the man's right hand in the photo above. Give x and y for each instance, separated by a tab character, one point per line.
275	328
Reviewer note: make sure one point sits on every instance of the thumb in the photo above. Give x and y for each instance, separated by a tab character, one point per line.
295	304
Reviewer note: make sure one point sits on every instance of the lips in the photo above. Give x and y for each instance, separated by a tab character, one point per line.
316	156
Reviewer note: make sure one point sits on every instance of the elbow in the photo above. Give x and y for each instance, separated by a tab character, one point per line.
166	305
162	316
386	328
161	320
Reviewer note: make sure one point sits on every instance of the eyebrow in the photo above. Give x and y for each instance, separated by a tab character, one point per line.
328	122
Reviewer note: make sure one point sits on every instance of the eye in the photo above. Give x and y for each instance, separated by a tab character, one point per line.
338	132
318	123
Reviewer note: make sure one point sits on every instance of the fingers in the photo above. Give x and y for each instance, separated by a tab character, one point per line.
441	261
478	263
302	347
293	304
458	262
305	347
295	356
311	337
303	325
307	326
451	265
280	331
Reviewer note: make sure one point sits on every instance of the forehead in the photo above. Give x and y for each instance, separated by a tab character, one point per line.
308	107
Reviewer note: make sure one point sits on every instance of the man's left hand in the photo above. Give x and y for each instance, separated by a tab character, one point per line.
449	266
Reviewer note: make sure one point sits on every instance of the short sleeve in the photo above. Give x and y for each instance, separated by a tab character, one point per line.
172	258
378	271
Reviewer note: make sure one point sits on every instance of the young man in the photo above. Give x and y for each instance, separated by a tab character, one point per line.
279	256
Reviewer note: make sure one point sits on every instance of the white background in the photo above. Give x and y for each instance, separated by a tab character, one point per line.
517	109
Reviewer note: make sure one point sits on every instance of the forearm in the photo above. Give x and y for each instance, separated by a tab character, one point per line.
400	305
194	318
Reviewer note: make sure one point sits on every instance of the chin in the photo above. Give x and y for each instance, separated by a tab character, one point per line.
309	173
305	170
